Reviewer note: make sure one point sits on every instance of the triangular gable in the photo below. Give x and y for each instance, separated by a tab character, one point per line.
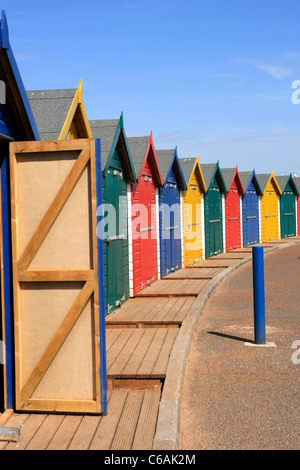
247	177
16	117
265	179
210	171
287	180
168	160
76	125
230	175
60	114
190	167
113	136
142	150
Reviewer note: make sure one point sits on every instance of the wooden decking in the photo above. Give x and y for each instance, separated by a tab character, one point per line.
139	340
129	424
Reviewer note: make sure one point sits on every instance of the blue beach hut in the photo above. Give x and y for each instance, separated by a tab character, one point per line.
170	211
250	207
16	123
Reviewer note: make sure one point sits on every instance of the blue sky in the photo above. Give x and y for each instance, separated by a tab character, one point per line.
213	77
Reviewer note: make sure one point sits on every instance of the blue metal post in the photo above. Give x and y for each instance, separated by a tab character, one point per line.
259	294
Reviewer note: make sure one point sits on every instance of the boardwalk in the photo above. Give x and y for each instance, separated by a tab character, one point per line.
141	337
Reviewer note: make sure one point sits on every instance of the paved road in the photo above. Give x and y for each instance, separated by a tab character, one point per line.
238	395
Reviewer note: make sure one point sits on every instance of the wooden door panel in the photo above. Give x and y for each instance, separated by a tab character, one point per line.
55	276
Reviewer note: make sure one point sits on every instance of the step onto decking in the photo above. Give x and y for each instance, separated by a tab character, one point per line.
174	287
150	312
138	354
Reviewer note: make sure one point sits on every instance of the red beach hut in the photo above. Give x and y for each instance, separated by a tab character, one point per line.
143	259
233	211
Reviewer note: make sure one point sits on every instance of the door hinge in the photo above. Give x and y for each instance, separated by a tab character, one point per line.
9	431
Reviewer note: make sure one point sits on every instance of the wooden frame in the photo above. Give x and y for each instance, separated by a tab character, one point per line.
49	280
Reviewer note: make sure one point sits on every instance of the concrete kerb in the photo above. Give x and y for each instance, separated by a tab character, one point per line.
167	434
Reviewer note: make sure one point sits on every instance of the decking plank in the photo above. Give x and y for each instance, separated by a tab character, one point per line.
85	433
29	429
16	420
134	362
145	369
145	430
115	368
176	288
65	432
161	364
45	433
125	432
195	273
113	351
105	432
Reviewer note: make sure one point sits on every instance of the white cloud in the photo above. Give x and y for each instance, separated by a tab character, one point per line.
279	72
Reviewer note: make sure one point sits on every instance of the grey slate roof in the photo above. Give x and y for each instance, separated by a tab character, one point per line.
138	146
208	171
297	181
105	129
245	178
263	180
164	158
50	109
282	181
187	165
228	174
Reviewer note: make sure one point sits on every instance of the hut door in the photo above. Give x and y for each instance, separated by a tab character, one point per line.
147	230
192	227
288	216
271	215
174	229
214	222
251	217
233	227
117	233
57	292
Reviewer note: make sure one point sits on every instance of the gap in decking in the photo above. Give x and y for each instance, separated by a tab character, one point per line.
135	384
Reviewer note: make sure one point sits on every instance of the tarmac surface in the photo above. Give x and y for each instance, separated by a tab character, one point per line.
238	395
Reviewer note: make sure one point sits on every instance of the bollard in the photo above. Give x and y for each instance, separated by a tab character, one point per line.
259	294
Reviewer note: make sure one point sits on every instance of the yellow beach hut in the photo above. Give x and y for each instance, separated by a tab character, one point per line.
192	211
270	210
60	114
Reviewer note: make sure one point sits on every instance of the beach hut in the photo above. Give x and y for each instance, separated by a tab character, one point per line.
251	208
60	114
288	204
117	172
270	213
233	208
143	214
170	211
193	211
16	123
297	182
214	209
